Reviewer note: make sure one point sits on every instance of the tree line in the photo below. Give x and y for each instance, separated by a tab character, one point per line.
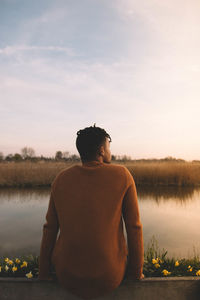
28	154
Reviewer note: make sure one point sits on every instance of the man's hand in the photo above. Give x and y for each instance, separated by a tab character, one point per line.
134	278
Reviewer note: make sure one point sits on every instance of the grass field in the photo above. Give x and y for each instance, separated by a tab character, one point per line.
29	174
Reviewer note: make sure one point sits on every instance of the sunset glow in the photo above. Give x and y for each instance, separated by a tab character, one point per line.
131	67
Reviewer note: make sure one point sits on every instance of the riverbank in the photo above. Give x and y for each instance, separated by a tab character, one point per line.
156	264
27	267
41	174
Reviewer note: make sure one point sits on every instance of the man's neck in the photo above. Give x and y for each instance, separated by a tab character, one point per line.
99	159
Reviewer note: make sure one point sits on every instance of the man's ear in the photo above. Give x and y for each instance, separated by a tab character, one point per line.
101	150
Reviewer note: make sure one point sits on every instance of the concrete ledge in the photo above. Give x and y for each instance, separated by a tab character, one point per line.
178	288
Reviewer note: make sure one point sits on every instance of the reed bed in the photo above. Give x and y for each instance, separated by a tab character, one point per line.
31	174
28	174
166	173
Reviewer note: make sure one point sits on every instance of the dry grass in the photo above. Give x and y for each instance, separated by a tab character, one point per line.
166	173
149	173
27	174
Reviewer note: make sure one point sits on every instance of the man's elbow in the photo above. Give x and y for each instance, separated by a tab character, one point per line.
134	226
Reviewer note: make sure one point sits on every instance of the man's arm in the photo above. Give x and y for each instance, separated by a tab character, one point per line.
50	230
133	224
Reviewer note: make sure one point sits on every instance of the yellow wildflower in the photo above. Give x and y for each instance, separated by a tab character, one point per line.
190	270
176	263
24	264
161	261
29	275
0	268
17	260
6	259
198	273
155	261
165	272
6	268
14	269
157	266
10	262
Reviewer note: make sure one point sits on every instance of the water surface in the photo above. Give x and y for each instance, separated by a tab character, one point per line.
170	214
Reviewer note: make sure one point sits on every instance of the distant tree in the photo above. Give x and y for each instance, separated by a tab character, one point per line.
17	157
1	156
181	160
58	155
65	155
113	157
27	152
74	157
118	157
9	157
126	158
196	161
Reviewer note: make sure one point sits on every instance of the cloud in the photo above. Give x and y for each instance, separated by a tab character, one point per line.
134	70
12	50
169	20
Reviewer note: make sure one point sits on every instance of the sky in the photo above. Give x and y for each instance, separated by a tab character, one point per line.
132	67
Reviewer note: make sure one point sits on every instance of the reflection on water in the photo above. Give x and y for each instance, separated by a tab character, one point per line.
162	193
22	215
24	195
171	214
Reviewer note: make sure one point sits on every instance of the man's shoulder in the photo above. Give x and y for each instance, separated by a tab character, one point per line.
123	170
118	171
106	167
64	172
112	169
116	168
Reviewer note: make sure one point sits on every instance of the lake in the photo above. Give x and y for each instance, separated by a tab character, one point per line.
170	214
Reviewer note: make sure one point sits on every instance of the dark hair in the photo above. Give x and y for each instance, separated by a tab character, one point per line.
89	140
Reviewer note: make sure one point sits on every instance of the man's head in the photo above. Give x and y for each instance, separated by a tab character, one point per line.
93	143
